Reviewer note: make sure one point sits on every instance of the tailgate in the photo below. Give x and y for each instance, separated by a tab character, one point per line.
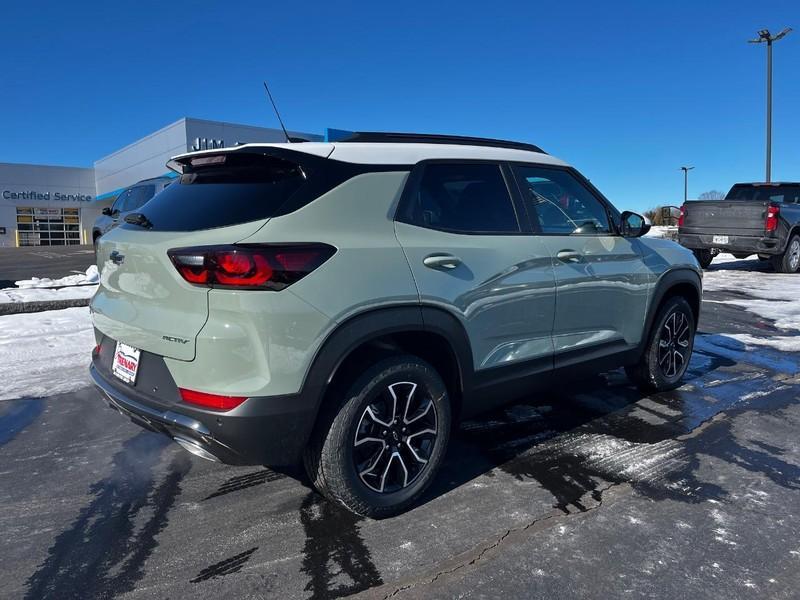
734	217
142	299
220	199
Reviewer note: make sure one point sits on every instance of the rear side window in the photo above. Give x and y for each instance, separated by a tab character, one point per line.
463	198
237	188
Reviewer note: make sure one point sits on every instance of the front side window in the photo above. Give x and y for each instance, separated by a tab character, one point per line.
463	198
121	201
560	204
138	196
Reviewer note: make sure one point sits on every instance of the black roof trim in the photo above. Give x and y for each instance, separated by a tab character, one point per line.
432	138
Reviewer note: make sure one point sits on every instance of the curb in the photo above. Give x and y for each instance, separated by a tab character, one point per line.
12	308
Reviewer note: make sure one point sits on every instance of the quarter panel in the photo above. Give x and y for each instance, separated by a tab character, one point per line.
369	268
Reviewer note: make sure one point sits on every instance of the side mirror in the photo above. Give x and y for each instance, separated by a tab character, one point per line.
107	211
634	225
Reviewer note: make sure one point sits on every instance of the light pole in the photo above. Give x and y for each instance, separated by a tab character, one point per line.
686	182
764	36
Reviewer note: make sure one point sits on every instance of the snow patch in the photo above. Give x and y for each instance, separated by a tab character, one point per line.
45	353
772	295
784	343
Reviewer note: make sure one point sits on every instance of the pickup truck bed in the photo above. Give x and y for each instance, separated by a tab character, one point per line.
758	219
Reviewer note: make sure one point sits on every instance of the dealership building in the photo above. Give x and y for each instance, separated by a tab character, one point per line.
42	205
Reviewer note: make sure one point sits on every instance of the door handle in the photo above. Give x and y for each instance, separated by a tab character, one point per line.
568	256
441	261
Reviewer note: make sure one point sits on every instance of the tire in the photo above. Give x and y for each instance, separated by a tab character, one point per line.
653	372
704	257
347	458
789	261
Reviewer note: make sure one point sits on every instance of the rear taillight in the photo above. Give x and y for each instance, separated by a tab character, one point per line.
214	401
771	222
681	216
254	267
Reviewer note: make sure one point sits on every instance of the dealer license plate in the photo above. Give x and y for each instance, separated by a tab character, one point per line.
720	239
126	363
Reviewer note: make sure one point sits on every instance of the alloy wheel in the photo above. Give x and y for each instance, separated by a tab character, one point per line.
673	344
395	438
794	254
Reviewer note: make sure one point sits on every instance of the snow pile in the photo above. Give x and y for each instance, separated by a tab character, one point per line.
669	232
45	353
46	294
92	276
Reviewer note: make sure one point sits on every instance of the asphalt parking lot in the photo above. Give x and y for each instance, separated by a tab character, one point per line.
591	490
43	261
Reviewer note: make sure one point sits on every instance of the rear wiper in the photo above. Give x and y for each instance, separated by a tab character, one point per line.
138	219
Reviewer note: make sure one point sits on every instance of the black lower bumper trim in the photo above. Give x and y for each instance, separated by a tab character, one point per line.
270	431
140	411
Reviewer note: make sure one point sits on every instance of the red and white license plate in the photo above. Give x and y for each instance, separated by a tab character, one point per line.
126	363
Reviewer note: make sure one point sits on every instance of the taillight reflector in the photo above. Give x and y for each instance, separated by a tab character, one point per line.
214	401
771	222
262	267
682	215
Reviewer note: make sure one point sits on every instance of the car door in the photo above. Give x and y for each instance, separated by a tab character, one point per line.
601	279
466	240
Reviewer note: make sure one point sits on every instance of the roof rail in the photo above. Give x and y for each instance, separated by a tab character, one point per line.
432	138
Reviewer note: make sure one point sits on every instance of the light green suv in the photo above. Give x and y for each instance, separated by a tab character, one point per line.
345	304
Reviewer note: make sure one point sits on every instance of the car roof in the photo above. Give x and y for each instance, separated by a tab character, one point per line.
402	153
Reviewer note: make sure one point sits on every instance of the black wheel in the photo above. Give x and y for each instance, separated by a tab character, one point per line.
668	350
789	261
704	257
387	440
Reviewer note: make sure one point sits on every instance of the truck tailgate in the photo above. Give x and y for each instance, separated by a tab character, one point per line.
732	217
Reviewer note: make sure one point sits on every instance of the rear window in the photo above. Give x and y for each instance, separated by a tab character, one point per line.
239	189
781	194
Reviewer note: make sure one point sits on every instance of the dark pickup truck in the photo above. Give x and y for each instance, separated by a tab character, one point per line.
754	218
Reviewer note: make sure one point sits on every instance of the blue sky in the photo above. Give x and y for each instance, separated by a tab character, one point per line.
625	91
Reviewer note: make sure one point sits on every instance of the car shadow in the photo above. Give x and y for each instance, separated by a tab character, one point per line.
547	437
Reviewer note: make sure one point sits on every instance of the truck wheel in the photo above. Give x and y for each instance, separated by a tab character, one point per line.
387	440
789	261
704	257
668	350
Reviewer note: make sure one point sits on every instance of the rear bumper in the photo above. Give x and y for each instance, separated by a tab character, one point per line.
268	431
737	244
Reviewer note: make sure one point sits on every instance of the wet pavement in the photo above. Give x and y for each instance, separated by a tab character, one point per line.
594	490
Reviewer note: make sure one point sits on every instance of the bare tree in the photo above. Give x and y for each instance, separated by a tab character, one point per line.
712	195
